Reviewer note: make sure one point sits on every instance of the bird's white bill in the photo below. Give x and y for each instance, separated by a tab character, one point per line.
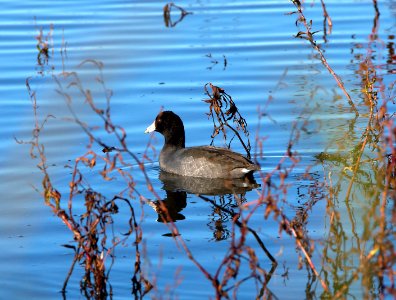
151	128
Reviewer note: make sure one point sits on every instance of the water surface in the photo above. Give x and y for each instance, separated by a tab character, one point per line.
282	90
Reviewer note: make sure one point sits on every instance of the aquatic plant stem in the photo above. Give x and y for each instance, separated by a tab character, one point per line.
326	14
217	99
369	92
356	168
308	35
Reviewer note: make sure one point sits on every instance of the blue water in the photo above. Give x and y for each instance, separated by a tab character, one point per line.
247	48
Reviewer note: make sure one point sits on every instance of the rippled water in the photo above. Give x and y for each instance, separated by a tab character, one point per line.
247	48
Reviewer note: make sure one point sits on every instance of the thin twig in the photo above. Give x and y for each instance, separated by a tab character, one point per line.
308	35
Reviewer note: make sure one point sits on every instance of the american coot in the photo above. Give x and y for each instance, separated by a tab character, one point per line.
202	161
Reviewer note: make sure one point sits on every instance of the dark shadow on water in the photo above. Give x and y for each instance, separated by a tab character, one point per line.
206	186
177	187
174	203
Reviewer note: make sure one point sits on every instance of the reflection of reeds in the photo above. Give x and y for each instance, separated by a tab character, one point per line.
44	44
240	251
370	175
91	230
168	14
369	169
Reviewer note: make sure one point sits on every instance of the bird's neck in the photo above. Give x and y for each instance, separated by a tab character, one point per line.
176	140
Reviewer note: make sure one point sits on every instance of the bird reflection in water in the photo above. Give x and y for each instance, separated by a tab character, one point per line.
169	209
177	187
